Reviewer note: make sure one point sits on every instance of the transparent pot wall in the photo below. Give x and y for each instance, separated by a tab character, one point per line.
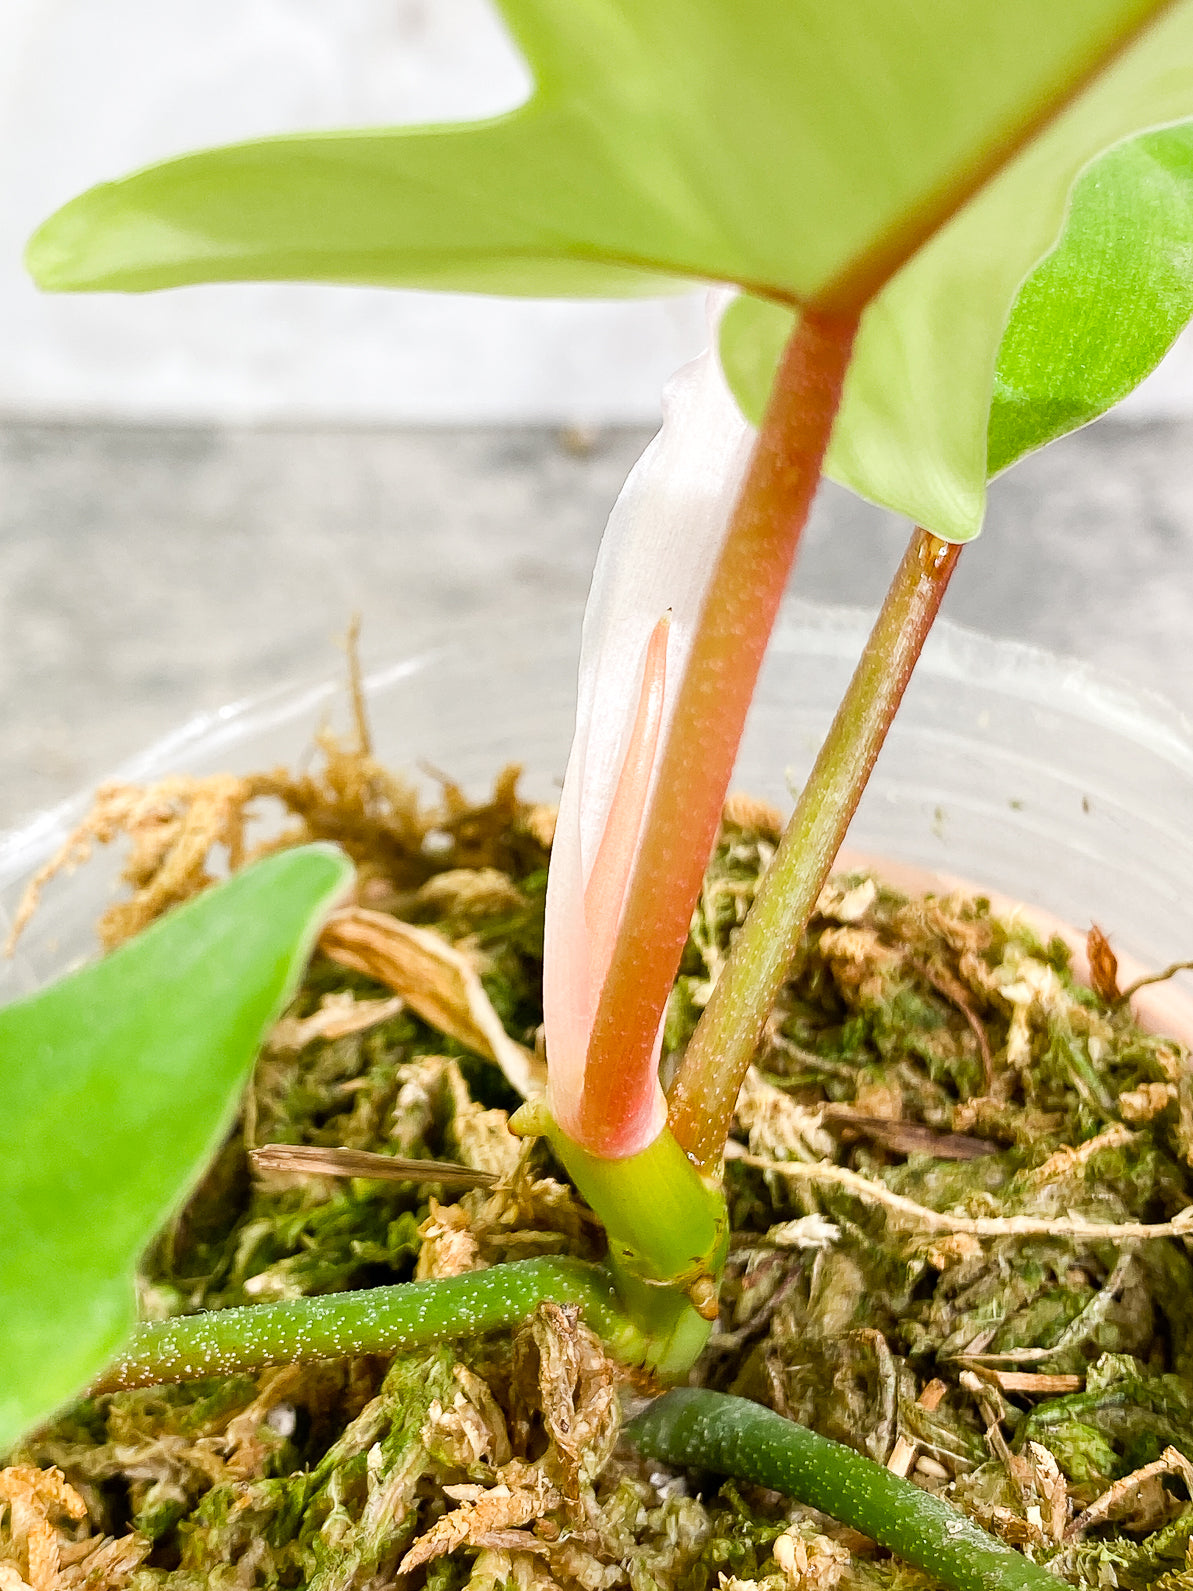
1017	771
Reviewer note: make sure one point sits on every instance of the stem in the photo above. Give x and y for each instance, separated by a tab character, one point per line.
706	1086
668	1233
665	1223
714	696
712	1431
224	1342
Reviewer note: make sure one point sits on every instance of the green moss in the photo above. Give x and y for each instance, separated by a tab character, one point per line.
833	1311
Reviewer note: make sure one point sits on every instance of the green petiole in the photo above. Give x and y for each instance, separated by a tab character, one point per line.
731	1436
704	1093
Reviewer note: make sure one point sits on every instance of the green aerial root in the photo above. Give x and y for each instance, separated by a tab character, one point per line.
731	1436
224	1342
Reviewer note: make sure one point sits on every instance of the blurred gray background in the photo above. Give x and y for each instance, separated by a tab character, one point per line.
198	489
149	572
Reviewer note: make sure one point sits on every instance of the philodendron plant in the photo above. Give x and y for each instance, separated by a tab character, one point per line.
942	233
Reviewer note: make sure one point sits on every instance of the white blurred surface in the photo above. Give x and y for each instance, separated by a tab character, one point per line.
90	89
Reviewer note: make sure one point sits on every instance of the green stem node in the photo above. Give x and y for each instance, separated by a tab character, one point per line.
224	1342
690	1428
668	1235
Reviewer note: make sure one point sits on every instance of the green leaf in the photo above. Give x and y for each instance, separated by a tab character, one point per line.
803	150
116	1084
1104	308
912	434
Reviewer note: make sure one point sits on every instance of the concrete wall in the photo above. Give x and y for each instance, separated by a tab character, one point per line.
92	88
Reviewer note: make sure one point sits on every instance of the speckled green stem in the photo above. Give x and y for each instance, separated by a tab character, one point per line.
731	1436
225	1342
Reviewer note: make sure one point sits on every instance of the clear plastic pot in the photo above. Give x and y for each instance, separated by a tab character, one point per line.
1027	775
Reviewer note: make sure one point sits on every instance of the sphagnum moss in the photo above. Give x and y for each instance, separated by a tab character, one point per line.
925	1046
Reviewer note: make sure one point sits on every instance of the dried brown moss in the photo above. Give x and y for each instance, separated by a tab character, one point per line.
185	831
928	1070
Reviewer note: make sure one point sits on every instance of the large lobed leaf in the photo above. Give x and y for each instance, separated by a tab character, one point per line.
115	1086
945	389
802	150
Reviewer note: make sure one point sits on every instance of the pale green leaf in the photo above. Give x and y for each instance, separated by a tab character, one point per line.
913	430
116	1084
802	150
1104	308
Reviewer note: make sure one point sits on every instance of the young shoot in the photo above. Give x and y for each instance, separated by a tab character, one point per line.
656	563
